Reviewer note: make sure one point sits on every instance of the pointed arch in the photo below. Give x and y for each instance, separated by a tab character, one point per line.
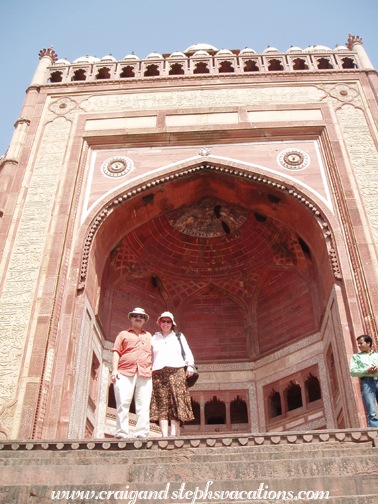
274	181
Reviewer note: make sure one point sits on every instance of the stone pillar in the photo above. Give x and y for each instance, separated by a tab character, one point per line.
283	402
10	160
17	142
355	44
301	383
23	258
202	410
13	154
46	58
228	412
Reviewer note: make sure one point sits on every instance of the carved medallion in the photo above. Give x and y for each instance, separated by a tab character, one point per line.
208	218
343	93
293	159
204	152
63	105
117	166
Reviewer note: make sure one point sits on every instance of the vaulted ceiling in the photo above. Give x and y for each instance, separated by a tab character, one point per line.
241	267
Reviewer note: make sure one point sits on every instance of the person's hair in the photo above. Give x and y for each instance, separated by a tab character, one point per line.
367	339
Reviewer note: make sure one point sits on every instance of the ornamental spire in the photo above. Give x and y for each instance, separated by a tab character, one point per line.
355	44
48	52
352	40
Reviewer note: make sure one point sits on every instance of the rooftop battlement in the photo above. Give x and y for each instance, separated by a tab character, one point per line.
204	59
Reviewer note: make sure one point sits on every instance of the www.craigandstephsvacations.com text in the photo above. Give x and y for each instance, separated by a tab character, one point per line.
183	495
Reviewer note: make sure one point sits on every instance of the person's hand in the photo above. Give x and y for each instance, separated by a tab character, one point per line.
373	369
189	371
114	376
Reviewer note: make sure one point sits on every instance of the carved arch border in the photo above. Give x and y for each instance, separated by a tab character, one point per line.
241	172
365	303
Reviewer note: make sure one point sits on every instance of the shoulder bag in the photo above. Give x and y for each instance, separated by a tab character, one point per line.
192	380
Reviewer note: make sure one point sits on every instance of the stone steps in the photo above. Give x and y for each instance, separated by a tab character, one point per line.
344	463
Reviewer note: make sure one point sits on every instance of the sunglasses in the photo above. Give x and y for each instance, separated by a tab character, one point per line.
168	321
138	317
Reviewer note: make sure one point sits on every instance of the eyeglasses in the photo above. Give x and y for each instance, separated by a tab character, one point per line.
169	321
138	317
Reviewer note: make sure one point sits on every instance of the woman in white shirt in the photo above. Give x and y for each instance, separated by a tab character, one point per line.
170	396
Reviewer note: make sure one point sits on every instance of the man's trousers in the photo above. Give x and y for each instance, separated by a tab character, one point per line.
124	389
369	393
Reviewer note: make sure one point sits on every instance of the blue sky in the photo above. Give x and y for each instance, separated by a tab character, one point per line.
96	27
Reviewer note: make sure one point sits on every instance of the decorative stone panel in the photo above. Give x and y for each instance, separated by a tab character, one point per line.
26	259
364	157
203	98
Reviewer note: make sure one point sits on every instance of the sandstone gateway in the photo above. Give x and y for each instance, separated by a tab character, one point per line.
240	190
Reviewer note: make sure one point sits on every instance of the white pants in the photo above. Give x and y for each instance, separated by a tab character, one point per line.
124	388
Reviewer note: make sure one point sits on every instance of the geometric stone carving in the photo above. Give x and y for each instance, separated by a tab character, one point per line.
343	93
203	98
293	159
117	166
364	157
27	254
63	106
207	219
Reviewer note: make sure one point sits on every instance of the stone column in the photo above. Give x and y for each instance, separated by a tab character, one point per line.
46	58
10	160
29	210
202	411
355	44
228	412
18	139
12	157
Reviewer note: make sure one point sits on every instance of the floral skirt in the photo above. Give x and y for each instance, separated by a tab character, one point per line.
170	396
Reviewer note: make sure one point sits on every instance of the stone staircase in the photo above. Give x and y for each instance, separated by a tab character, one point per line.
246	468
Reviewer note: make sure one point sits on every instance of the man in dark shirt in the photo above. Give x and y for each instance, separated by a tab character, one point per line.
131	375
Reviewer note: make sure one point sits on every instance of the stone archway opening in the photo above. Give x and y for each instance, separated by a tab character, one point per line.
243	266
216	249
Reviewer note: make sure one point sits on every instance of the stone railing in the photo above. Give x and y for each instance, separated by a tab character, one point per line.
246	63
319	437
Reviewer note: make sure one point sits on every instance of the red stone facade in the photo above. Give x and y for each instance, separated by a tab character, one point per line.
236	190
